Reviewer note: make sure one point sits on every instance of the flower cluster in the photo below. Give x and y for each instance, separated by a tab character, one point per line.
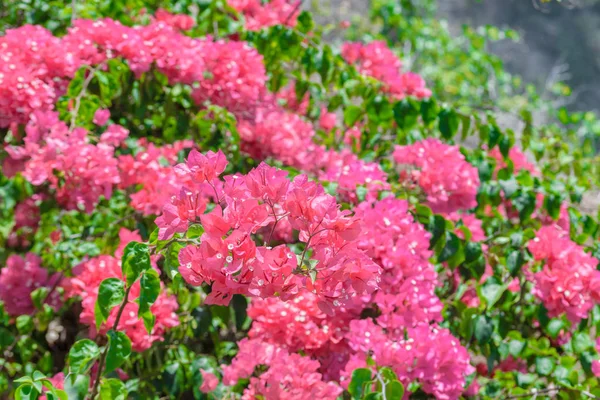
568	282
350	172
446	192
209	381
147	170
405	300
280	134
230	74
427	354
177	21
469	221
88	277
27	218
400	246
262	14
32	63
296	325
34	70
19	278
48	157
517	157
378	61
300	325
229	257
332	287
289	376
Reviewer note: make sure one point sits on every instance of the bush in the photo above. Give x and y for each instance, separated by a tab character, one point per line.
212	202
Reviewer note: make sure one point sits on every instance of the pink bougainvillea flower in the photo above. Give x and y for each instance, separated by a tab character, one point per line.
377	60
446	193
569	281
209	381
19	278
101	116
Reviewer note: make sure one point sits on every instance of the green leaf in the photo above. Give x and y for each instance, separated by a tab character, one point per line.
113	389
119	349
467	323
515	347
76	84
38	385
491	291
472	251
465	121
174	378
505	144
149	291
524	380
360	377
555	326
352	114
437	227
153	239
394	390
110	294
429	110
448	123
24	324
38	296
515	261
361	193
581	342
406	113
450	248
509	186
24	379
525	204
136	260
423	213
26	392
77	386
305	22
544	365
57	394
194	231
149	320
240	310
388	374
82	355
483	329
38	376
494	137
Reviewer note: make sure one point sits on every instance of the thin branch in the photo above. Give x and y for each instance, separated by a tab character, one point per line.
84	87
105	352
382	385
588	394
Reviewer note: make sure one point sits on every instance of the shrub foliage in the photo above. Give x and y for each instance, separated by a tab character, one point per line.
204	199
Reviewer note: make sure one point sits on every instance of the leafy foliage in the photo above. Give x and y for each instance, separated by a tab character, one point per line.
219	204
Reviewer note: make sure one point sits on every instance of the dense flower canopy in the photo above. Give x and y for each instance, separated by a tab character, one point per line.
214	203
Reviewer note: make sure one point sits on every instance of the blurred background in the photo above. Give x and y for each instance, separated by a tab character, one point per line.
559	40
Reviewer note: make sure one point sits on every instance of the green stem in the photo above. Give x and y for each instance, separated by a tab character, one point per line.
105	352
